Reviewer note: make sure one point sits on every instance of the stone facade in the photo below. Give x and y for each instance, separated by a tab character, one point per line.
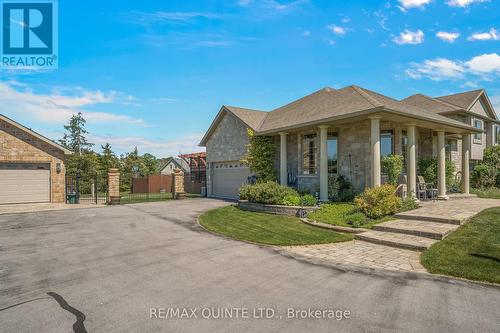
178	184
18	146
275	209
113	186
229	140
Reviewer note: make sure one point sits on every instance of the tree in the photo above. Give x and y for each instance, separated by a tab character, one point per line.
108	159
259	157
392	166
74	139
149	164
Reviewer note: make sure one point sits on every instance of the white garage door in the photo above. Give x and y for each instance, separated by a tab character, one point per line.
228	178
24	183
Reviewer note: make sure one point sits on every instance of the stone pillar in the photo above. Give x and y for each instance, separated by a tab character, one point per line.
113	186
411	161
441	166
465	162
434	146
323	163
178	184
283	162
375	150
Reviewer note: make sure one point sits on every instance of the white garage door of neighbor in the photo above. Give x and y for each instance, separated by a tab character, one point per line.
228	178
21	183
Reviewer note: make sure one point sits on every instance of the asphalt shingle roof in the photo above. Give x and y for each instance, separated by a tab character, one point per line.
463	100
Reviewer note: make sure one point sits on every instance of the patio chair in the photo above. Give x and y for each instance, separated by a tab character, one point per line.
425	191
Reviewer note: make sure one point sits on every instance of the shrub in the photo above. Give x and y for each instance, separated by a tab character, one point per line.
340	189
491	158
428	166
378	201
308	200
259	156
267	193
356	220
291	200
392	166
484	175
407	204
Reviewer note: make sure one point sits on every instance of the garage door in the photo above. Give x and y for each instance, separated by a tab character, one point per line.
24	183
228	178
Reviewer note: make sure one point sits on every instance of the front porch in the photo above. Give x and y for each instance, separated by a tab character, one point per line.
354	148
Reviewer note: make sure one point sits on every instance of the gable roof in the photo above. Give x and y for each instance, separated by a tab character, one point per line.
35	134
328	104
463	100
431	104
180	163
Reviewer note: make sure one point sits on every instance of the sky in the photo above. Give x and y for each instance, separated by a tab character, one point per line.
154	74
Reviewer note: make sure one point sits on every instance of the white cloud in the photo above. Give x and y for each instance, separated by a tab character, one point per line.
345	20
279	6
463	3
306	33
490	35
484	64
449	37
161	148
145	18
408	4
409	37
437	70
481	67
340	31
57	107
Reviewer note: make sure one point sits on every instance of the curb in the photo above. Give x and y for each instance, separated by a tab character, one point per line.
332	227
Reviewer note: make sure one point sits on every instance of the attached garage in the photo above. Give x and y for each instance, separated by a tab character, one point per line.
27	182
31	165
227	178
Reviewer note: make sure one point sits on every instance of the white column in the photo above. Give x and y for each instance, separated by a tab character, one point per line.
323	163
465	162
283	168
441	166
411	161
375	150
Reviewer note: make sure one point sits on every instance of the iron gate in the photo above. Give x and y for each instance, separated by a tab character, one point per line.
86	190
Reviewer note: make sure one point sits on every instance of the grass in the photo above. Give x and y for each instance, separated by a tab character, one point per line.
335	213
266	228
130	198
471	252
489	193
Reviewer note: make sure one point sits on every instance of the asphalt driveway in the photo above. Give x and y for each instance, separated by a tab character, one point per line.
109	269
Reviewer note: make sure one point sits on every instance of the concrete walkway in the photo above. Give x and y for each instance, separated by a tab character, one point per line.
395	245
41	207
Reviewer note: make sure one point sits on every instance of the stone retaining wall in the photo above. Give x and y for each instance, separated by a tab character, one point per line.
274	209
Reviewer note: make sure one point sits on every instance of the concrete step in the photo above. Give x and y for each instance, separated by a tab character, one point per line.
412	215
433	230
410	242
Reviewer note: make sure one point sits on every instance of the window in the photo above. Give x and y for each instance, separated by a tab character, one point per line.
386	143
478	123
449	147
404	148
332	153
310	151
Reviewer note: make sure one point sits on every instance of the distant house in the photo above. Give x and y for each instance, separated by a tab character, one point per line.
171	163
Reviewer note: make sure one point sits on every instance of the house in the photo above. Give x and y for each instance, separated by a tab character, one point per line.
31	166
171	163
347	131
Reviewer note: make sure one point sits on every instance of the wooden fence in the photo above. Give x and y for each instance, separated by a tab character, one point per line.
158	183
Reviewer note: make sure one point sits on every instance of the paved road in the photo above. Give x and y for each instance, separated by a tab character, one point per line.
102	270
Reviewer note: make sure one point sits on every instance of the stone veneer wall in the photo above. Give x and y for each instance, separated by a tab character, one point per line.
20	147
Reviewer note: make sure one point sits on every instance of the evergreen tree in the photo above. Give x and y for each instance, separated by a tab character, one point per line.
74	139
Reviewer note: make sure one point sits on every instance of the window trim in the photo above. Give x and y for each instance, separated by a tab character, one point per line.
478	137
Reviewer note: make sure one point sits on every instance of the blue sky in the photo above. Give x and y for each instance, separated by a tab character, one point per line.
155	73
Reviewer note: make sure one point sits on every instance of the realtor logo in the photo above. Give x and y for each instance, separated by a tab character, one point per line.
29	34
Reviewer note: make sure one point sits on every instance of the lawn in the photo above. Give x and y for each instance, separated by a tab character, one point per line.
490	193
129	198
472	251
335	214
266	228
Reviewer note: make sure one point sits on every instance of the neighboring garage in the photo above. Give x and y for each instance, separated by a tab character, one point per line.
227	178
31	166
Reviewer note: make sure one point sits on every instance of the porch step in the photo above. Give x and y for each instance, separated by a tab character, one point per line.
433	230
404	241
413	215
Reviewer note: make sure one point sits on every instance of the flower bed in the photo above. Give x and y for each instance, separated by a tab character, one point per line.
298	211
